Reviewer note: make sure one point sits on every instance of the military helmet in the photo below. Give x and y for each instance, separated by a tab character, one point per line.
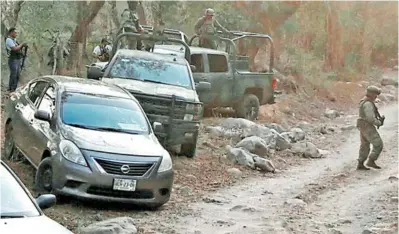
209	12
373	90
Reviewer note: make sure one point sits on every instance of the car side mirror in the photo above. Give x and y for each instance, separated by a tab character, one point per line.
193	68
203	86
46	201
42	115
94	72
157	127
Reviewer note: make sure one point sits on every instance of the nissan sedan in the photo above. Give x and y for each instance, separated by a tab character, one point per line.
88	139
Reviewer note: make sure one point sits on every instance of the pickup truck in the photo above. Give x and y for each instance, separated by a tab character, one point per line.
164	86
232	84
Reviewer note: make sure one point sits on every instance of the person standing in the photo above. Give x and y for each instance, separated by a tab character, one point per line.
369	119
15	55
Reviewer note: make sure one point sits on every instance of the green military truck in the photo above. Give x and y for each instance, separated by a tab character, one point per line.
232	84
164	86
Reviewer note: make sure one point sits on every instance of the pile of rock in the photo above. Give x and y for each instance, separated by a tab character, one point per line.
257	142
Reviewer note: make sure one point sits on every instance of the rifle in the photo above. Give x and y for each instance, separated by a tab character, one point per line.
24	57
379	117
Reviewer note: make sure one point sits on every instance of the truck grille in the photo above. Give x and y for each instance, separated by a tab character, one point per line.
135	169
161	106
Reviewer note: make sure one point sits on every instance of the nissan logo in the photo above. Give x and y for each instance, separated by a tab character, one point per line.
125	169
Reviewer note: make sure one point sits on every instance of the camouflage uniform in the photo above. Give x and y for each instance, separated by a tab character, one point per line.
206	29
367	123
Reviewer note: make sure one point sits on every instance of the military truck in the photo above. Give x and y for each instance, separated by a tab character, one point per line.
164	86
232	84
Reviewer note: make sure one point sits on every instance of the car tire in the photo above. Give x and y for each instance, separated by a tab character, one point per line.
10	152
44	177
189	149
248	107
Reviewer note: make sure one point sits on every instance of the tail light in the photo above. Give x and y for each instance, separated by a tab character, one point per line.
274	83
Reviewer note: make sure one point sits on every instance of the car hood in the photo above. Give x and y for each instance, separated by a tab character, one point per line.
137	86
113	142
33	225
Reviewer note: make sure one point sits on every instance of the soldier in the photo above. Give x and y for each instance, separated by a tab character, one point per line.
369	119
205	28
14	52
102	51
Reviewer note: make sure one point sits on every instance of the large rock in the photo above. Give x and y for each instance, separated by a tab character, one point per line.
331	114
281	142
240	156
306	149
276	127
237	123
220	131
121	225
264	164
254	144
385	97
272	138
296	134
388	81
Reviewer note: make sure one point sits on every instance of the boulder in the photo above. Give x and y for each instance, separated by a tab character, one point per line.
120	225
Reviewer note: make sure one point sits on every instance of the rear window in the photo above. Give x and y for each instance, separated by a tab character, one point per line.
103	112
217	63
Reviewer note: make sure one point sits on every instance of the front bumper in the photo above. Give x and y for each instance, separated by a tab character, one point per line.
93	182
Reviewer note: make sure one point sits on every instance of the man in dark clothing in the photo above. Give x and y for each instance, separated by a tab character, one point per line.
15	55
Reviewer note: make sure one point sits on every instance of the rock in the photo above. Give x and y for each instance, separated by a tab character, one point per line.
393	178
191	177
240	156
386	97
306	149
345	221
331	114
281	142
234	172
264	164
120	225
276	127
348	128
335	231
394	199
324	153
296	134
297	203
254	144
237	123
369	231
388	81
185	190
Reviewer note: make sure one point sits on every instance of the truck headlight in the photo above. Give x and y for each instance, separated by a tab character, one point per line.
71	152
166	163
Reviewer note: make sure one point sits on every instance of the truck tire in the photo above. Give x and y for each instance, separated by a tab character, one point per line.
248	107
189	149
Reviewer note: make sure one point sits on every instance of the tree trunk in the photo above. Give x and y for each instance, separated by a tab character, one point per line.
334	47
132	5
86	14
141	13
10	16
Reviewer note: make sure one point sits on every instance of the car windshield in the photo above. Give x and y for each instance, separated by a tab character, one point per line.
104	113
151	71
15	203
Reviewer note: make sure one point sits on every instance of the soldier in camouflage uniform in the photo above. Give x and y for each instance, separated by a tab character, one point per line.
369	119
205	28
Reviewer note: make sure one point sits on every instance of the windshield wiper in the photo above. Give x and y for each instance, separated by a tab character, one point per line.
11	216
81	126
155	81
113	130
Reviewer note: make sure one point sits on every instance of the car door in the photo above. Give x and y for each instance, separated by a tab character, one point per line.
43	132
219	74
28	109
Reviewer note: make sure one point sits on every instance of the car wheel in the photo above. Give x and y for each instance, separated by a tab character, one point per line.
248	108
189	149
44	177
9	144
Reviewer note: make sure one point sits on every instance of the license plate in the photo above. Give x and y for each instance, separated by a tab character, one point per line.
124	185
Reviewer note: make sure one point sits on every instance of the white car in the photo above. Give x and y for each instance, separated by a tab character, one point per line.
20	213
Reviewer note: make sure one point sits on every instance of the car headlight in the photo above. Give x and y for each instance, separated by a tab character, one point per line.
166	163
71	152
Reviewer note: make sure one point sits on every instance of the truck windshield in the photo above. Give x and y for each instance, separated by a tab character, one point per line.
151	71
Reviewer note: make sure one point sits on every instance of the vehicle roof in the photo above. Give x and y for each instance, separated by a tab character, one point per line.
83	85
151	56
193	49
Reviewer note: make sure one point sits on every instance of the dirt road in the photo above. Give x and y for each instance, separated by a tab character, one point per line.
324	196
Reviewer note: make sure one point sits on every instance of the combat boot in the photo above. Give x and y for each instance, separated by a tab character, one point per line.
360	166
371	163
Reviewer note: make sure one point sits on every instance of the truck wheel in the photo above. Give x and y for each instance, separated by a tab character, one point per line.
189	149
248	108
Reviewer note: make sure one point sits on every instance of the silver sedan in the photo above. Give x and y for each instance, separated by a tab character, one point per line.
88	139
